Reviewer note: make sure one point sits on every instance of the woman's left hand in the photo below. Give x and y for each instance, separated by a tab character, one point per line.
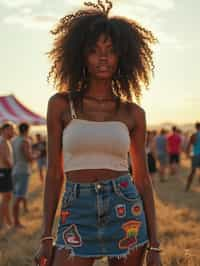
153	258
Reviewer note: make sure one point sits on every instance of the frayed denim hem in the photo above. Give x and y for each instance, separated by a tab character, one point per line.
128	252
110	256
70	249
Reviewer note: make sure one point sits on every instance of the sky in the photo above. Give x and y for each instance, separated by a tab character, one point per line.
174	93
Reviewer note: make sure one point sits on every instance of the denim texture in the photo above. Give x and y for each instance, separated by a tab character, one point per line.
20	184
102	219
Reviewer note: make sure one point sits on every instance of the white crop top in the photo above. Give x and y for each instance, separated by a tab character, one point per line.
95	145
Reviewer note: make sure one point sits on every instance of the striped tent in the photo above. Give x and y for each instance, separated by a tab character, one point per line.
11	109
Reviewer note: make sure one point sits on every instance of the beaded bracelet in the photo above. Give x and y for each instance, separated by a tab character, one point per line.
157	249
46	238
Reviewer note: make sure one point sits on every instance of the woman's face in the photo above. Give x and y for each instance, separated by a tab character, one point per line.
102	60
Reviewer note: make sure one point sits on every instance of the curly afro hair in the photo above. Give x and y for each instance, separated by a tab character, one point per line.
75	34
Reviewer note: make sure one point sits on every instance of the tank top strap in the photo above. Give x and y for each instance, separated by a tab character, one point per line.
72	109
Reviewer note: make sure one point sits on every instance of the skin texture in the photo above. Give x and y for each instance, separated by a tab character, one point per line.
6	162
102	61
42	169
101	64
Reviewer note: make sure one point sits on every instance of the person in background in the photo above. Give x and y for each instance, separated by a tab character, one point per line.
23	156
6	164
151	154
40	148
194	142
161	153
0	133
185	137
174	150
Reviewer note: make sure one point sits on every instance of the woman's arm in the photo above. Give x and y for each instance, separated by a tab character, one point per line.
140	172
54	177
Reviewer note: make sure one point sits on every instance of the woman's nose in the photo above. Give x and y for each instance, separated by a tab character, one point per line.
103	54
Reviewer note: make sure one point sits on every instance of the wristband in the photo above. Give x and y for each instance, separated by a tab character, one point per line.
157	249
46	238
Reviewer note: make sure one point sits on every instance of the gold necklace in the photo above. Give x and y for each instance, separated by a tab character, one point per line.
99	100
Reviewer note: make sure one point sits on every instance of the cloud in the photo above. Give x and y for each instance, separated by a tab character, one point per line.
148	17
169	40
28	21
26	10
77	3
19	3
159	4
141	11
152	15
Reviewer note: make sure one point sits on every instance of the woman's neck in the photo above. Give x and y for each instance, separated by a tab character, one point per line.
100	89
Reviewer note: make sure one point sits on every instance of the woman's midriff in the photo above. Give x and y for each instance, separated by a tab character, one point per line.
96	175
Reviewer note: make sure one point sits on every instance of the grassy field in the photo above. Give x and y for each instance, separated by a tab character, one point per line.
178	219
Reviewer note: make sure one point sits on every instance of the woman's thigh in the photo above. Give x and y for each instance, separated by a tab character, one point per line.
61	259
135	258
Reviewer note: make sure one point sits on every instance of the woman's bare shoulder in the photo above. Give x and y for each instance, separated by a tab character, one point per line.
136	112
59	109
59	101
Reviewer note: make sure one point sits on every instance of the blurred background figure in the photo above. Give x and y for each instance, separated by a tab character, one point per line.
194	142
40	150
185	141
174	150
23	156
151	154
0	134
6	164
161	153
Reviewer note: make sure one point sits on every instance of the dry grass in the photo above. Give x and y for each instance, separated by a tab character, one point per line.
178	218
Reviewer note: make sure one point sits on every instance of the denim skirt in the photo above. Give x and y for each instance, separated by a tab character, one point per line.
105	218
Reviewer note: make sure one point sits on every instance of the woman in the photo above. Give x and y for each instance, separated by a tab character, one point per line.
98	64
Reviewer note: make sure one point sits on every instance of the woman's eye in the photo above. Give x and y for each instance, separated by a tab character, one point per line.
106	51
93	51
111	50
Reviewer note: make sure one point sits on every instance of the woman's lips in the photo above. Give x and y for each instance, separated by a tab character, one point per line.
103	68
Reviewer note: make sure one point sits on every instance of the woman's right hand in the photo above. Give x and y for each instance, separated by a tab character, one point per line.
44	254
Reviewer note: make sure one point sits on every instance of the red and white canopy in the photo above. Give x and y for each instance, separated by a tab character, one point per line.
11	109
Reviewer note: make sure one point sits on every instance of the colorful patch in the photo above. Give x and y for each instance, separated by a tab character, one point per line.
72	237
43	261
64	215
136	209
65	203
131	229
120	210
123	184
